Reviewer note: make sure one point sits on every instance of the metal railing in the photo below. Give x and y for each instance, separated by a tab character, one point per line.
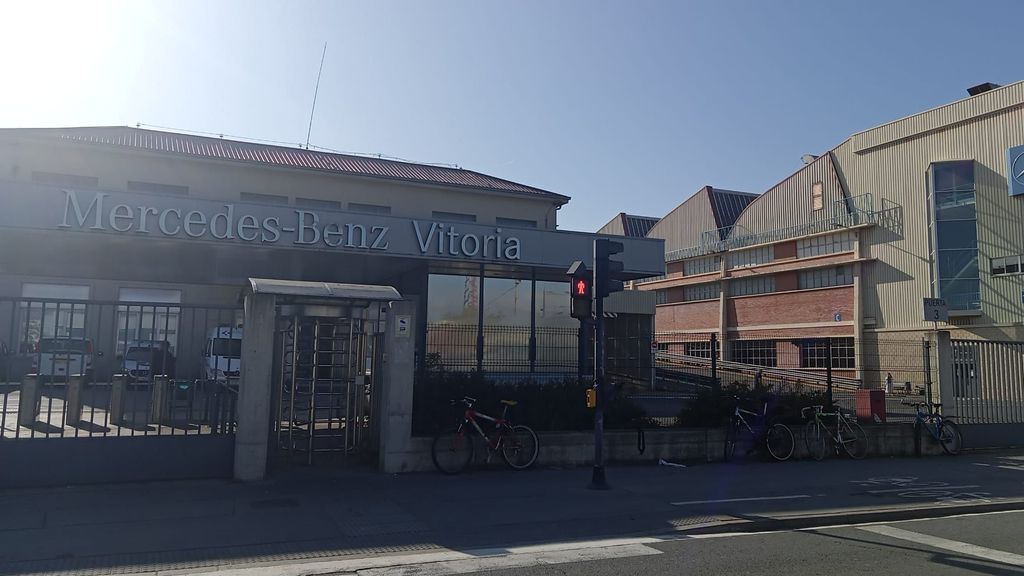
74	368
988	382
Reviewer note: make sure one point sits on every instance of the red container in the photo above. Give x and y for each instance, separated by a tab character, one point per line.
871	403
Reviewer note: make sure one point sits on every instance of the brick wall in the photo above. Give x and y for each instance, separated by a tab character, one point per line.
689	316
805	306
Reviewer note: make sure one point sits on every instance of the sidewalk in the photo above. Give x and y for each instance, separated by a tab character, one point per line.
319	514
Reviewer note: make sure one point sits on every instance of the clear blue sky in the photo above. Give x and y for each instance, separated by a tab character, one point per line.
625	106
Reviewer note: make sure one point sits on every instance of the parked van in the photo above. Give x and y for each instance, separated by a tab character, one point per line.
57	358
147	358
222	355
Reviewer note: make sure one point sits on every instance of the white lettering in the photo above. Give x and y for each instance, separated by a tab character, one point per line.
332	231
380	240
424	242
452	239
488	239
122	212
143	229
314	226
229	217
246	224
476	245
440	239
271	233
163	222
512	248
195	218
71	202
350	231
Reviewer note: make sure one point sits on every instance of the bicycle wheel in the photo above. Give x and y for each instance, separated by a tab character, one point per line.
730	441
816	440
452	451
519	447
779	441
950	438
853	438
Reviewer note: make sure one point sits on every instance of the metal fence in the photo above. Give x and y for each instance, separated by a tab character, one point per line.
988	382
78	368
503	352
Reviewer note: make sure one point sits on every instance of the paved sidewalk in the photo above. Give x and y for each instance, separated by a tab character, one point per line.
319	514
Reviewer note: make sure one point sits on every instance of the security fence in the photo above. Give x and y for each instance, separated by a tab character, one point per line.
78	368
988	382
503	352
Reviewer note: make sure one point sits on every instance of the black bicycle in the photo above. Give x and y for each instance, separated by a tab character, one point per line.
776	438
946	433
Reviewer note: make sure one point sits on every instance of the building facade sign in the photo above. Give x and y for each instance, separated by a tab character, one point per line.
147	216
1015	170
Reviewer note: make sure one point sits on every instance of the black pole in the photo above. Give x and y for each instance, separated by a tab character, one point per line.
598	481
714	359
828	372
480	324
533	321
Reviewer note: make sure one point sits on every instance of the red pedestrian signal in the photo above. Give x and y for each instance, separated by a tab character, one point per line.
580	288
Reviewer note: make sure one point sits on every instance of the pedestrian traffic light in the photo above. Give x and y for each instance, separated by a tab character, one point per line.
581	291
606	270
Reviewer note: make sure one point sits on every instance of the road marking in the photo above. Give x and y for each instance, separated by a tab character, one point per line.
921	489
980	464
951	545
1015	468
793	497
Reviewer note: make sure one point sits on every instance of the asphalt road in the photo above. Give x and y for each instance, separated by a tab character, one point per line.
991	544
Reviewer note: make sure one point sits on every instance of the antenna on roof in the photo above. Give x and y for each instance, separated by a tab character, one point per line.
315	91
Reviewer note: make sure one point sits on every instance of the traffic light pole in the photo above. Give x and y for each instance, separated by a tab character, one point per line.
598	480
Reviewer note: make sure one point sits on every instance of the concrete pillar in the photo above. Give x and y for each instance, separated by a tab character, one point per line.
73	400
396	391
159	400
255	386
944	362
28	402
118	390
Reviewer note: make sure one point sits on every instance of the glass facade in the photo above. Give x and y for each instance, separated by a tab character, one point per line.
955	235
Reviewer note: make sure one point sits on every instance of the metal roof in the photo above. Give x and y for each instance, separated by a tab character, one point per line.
637	226
330	290
727	205
282	156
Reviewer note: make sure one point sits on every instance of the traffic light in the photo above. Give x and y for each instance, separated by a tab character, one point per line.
581	289
606	270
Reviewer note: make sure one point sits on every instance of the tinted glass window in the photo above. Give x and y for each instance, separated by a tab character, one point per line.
227	348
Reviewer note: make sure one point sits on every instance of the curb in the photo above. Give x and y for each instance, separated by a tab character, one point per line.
851	517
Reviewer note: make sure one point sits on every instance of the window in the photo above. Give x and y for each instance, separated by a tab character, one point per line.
817	196
751	257
263	198
702	265
758	352
825	277
702	292
453	216
138	186
749	286
955	230
516	223
814	353
661	296
1006	265
315	203
369	208
699	349
826	244
60	319
58	179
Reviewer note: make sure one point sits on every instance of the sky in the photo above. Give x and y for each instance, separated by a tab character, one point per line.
626	106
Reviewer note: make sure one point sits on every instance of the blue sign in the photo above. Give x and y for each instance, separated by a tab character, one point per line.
839	317
1015	170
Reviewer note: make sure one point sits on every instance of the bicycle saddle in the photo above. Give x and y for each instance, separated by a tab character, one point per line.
509	402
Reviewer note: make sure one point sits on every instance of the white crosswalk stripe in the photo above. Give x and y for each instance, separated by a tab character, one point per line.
950	545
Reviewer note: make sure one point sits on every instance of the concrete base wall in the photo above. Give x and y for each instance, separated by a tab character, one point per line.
569	449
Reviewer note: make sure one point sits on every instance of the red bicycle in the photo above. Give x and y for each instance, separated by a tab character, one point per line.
453	450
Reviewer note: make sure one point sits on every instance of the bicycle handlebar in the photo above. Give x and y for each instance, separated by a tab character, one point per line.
465	400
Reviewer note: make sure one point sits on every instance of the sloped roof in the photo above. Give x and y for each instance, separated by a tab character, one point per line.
281	156
727	205
638	226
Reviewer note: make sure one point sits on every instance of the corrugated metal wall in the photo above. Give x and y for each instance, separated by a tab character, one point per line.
614	226
789	202
683	227
897	171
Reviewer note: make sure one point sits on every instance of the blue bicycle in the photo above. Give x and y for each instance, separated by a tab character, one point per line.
946	433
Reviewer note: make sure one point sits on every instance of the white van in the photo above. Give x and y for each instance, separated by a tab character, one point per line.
222	355
57	358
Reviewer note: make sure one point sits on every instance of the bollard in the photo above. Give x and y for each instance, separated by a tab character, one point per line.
73	400
159	400
28	403
118	390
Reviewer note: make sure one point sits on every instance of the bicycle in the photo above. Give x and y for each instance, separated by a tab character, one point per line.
453	450
946	433
848	433
776	437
